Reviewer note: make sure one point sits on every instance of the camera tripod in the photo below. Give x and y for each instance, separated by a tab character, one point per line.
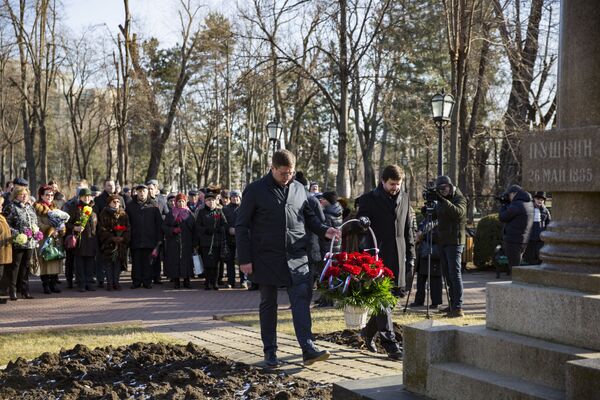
428	231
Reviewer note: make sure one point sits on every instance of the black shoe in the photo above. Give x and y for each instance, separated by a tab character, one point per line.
177	284
253	287
135	286
158	282
26	295
100	285
147	286
215	287
187	284
70	284
445	310
46	288
394	352
271	360
90	288
12	294
415	304
53	287
312	356
369	341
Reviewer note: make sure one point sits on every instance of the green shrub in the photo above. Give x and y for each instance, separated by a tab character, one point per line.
487	237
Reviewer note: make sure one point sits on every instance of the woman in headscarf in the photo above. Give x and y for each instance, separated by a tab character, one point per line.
210	228
113	235
49	270
178	228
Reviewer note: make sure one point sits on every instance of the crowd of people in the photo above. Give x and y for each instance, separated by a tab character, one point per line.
212	234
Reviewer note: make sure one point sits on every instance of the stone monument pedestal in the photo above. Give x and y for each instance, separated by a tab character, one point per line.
542	334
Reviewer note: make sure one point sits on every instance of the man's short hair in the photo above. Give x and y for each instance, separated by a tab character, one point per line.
393	172
107	180
283	158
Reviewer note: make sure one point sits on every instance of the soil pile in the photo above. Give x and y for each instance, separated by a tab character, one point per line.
353	339
148	371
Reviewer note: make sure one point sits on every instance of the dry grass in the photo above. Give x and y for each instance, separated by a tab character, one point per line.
331	320
32	344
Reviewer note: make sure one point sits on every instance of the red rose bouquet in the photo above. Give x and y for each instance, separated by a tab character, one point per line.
358	280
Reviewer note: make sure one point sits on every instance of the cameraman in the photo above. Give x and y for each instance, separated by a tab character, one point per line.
517	215
451	214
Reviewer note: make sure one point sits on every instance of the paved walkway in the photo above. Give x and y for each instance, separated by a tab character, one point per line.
187	314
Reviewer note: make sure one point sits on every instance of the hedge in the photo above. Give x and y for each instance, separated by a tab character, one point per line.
487	237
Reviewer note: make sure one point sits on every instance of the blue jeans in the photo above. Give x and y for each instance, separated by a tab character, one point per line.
450	257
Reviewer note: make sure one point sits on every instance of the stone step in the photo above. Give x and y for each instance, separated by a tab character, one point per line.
530	359
383	388
457	381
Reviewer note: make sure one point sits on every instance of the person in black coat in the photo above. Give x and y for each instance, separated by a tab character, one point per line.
388	209
517	216
271	244
178	228
332	211
146	235
313	249
210	231
230	212
541	219
87	242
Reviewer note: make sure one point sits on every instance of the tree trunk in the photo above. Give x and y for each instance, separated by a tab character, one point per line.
342	170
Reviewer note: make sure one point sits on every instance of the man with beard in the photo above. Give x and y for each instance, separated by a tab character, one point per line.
388	209
146	233
271	244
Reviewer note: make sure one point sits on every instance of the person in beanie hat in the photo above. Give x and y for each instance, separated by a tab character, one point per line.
451	214
114	234
178	228
517	216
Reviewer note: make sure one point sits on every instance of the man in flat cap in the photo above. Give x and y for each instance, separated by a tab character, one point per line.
541	219
146	235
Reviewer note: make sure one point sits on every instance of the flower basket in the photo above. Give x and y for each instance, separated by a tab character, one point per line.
357	280
355	317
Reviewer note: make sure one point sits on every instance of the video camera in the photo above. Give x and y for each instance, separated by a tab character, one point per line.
502	199
430	195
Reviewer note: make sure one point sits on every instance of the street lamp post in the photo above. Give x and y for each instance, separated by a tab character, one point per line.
441	109
274	129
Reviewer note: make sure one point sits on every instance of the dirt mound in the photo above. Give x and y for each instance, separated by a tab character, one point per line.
144	371
353	339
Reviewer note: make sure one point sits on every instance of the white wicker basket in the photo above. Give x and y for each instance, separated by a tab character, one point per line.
355	317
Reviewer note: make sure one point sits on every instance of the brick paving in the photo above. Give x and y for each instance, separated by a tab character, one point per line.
188	314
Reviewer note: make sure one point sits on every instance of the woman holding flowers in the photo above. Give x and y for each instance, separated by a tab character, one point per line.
113	234
210	228
24	227
82	224
49	270
178	227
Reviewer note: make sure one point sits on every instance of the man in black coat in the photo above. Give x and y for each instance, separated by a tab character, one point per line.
230	212
146	234
517	216
388	209
271	245
160	202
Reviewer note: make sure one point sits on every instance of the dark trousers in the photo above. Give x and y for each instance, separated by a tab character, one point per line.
69	261
99	270
231	267
435	291
300	295
532	252
17	273
211	262
142	270
84	271
450	258
514	253
382	323
112	271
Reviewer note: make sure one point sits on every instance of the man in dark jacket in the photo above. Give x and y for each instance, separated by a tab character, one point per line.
313	250
388	209
160	202
517	216
451	214
270	238
146	234
230	212
332	211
